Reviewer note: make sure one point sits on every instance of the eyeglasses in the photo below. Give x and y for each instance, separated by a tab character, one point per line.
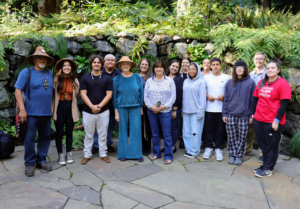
192	69
240	68
259	59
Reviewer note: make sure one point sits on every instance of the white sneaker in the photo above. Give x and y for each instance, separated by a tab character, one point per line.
208	152
219	155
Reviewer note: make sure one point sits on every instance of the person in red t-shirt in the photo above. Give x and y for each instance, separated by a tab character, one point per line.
272	95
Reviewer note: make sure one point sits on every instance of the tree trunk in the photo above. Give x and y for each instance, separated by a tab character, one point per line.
48	7
266	4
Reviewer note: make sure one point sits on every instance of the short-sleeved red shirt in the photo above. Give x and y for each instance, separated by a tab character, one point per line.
269	100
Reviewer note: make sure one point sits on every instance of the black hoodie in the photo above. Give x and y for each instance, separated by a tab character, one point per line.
238	98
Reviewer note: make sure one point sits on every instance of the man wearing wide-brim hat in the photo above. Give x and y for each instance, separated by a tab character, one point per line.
36	83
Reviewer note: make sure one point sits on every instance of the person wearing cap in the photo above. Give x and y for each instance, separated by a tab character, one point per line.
109	70
214	127
236	111
64	104
96	91
36	83
128	105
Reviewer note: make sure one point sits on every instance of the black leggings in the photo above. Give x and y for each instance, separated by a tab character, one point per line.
146	132
64	117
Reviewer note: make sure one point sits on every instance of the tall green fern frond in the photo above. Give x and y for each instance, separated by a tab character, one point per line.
294	145
2	54
62	46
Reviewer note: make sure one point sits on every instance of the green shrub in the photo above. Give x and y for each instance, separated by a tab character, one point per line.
198	53
294	145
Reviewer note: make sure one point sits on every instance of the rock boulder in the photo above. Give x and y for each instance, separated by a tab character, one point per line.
103	46
22	48
5	96
161	39
51	43
152	49
125	46
181	49
165	49
294	80
73	47
292	124
4	72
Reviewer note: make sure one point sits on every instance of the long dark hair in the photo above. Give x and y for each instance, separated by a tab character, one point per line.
156	64
174	61
149	70
267	77
61	76
235	77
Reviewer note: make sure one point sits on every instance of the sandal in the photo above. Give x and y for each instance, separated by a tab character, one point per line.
168	162
154	157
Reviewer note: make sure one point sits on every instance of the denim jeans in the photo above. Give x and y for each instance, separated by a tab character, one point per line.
42	124
192	133
111	127
174	127
164	119
180	126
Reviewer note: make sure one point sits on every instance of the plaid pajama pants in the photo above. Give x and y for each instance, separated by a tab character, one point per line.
237	130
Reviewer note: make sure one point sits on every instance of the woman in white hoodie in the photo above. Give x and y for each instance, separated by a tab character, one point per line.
193	109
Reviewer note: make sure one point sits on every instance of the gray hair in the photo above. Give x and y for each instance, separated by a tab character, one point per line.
109	56
260	53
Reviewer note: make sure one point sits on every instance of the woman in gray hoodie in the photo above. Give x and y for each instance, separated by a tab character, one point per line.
193	109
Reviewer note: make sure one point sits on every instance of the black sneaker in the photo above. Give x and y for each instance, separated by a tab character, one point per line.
261	159
189	155
110	149
258	169
95	150
185	154
263	173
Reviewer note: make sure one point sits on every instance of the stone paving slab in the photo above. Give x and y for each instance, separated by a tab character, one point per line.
19	194
211	167
181	205
82	177
97	165
142	206
62	173
175	165
135	172
113	200
146	196
184	160
16	160
43	179
2	168
289	168
211	190
296	180
82	193
6	176
282	194
60	184
247	171
75	204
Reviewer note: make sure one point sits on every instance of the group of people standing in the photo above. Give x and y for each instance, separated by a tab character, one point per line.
180	101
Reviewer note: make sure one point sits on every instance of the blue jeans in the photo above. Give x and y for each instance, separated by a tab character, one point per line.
110	130
165	120
180	126
174	127
42	124
130	148
192	133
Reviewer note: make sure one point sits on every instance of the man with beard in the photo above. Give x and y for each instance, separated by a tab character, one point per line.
36	83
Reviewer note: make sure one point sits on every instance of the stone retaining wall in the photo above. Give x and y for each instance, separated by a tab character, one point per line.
159	46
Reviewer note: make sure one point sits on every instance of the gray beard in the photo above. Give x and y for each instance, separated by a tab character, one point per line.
42	66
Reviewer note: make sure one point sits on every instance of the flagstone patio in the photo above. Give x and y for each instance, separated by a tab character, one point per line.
186	183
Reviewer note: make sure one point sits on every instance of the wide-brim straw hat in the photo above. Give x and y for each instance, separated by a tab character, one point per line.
125	59
39	51
59	64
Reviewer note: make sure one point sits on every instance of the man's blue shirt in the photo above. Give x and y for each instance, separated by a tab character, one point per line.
39	101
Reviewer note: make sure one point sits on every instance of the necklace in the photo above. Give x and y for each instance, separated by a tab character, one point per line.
269	84
45	81
94	80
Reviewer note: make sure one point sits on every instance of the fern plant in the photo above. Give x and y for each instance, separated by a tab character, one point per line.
2	54
83	64
294	145
62	46
198	53
139	48
173	54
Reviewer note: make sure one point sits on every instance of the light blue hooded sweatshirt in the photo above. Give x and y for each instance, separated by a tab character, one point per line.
194	95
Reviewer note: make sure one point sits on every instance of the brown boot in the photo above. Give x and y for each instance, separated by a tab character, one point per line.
85	160
105	159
